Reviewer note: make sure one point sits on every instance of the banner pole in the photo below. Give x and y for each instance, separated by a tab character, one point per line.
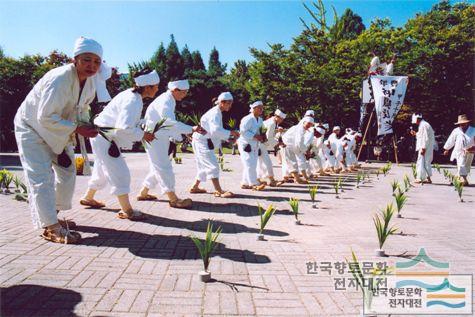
364	136
395	148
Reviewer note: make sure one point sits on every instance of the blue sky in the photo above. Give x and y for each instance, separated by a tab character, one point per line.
132	31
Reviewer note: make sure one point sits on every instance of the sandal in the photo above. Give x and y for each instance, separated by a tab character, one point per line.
132	215
146	197
181	203
259	187
246	186
69	224
197	190
92	203
61	235
223	194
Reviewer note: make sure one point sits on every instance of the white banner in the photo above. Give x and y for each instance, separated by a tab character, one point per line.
389	92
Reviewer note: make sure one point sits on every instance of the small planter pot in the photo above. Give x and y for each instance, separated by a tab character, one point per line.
297	222
380	252
204	276
399	216
260	237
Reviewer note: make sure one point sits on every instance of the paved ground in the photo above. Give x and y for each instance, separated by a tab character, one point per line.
149	268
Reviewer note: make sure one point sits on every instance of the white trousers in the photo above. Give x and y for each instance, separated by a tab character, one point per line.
161	170
464	162
50	186
350	158
206	161
316	164
249	164
264	164
290	161
108	170
424	165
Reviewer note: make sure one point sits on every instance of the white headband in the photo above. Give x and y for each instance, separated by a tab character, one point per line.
224	96
308	119
256	104
336	128
359	135
310	113
149	79
326	126
280	114
86	45
415	117
104	73
320	130
179	84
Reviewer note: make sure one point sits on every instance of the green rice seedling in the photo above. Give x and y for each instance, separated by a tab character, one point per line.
383	229
358	180
401	200
437	167
312	190
414	170
394	186
458	184
336	187
232	123
294	205
264	218
207	247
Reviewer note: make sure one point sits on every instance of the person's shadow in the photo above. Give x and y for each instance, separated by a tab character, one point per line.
27	299
168	247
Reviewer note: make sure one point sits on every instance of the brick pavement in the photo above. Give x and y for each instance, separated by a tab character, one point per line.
149	268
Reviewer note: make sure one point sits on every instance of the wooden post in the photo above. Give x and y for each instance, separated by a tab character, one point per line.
364	136
395	148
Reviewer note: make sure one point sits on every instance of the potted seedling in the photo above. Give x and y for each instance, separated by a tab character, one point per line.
381	223
7	180
400	199
367	285
377	173
407	183
341	184
414	170
294	205
394	186
458	184
336	187
206	248
358	180
264	219
437	167
312	190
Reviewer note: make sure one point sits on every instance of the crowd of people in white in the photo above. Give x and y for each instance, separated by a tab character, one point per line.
54	112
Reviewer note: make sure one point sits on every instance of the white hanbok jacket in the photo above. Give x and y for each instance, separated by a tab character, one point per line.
425	138
460	141
52	106
248	128
272	140
123	113
212	122
164	107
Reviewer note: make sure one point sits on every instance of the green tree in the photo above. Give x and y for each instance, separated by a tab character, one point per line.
215	68
174	63
198	61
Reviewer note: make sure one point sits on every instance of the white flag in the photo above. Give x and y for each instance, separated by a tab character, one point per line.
388	92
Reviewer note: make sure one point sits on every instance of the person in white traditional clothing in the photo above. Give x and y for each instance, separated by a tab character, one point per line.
316	162
162	110
425	149
264	167
45	125
329	156
297	142
337	150
389	69
204	145
248	145
351	160
462	140
122	114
